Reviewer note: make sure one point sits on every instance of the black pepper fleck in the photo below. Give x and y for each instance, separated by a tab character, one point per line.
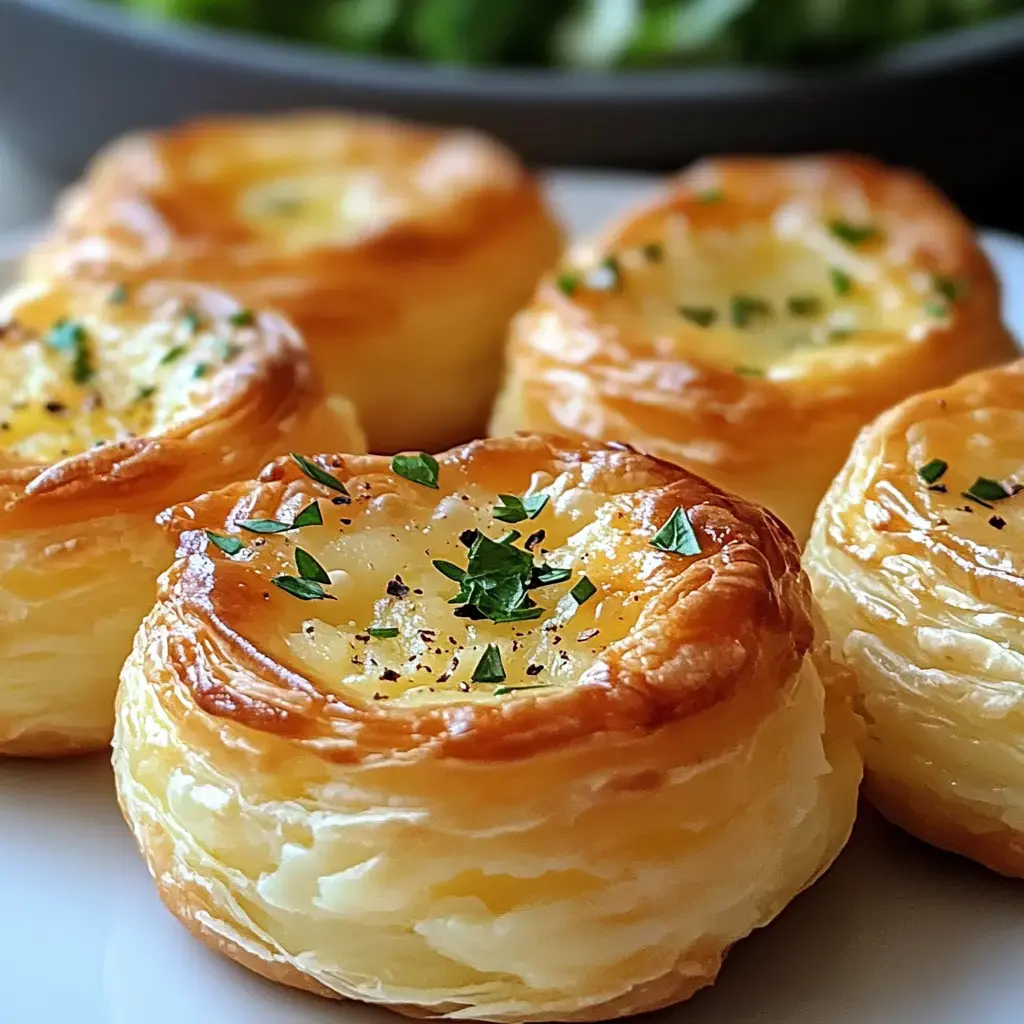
464	687
533	540
997	521
389	675
396	588
938	488
534	670
56	407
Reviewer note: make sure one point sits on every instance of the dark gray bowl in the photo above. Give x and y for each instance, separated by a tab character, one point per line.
73	74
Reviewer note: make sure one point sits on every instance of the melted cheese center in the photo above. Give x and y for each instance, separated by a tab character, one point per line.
379	558
68	384
775	299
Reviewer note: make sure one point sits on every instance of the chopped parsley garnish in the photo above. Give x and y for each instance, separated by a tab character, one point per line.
745	308
304	590
71	336
840	333
309	568
172	354
502	690
383	632
842	283
118	295
854	234
489	669
420	469
676	535
514	509
948	287
320	476
309	516
583	591
710	195
227	350
190	318
933	470
937	309
654	252
200	370
242	318
229	545
147	392
702	316
803	305
985	490
495	583
567	282
749	371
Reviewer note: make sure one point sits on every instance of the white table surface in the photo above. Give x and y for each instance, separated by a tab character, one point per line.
895	933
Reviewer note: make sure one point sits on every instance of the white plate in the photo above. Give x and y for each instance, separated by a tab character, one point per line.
896	933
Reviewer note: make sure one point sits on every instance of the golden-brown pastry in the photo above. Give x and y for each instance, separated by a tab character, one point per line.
752	317
529	732
113	403
400	253
917	558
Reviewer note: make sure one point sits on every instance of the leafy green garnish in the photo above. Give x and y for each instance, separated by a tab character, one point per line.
118	295
567	282
583	591
176	352
653	251
702	316
304	590
937	309
950	288
229	545
71	336
710	195
383	632
513	509
309	568
420	469
190	318
145	392
320	476
854	234
676	535
985	489
227	350
309	516
242	318
502	690
744	309
749	371
803	305
489	669
933	470
200	369
842	283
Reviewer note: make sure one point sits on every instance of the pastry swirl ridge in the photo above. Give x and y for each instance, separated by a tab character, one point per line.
751	317
352	785
115	401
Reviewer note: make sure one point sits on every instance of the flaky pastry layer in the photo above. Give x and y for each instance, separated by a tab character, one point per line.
752	317
400	253
917	559
332	792
112	403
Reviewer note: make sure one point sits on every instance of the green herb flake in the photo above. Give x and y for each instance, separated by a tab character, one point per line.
950	288
502	690
420	469
227	350
676	535
932	471
71	336
583	591
489	669
190	318
803	305
118	295
304	590
200	370
265	526
567	282
709	196
513	509
449	569
854	234
702	316
147	392
172	354
744	309
842	283
383	632
939	310
242	318
309	568
654	252
229	545
318	475
309	516
749	371
985	489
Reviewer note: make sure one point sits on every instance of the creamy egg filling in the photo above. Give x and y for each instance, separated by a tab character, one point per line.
108	373
768	299
391	623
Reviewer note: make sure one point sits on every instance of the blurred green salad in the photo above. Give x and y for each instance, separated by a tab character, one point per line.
594	33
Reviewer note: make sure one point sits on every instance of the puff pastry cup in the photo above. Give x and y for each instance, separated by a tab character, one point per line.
751	317
113	403
400	253
917	559
547	777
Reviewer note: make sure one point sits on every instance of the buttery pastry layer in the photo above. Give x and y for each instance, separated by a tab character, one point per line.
750	318
539	742
113	402
400	253
917	559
